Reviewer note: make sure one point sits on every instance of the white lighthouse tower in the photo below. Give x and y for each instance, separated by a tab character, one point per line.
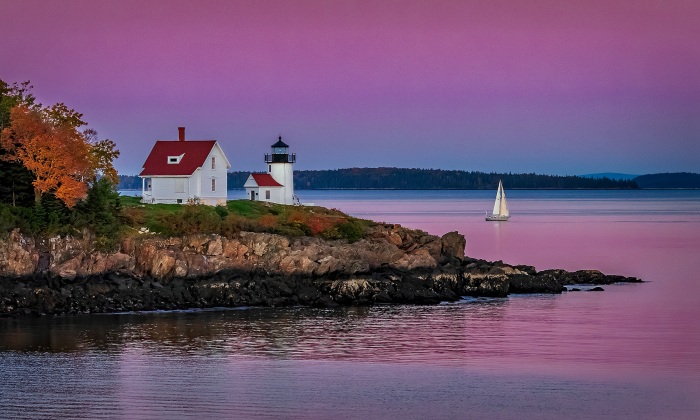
279	166
277	185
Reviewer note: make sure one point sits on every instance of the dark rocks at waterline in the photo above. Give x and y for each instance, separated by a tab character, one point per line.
115	293
393	266
112	292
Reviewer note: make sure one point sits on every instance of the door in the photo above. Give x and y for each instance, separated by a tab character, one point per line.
252	195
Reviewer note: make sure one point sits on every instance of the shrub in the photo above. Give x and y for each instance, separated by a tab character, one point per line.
319	224
192	219
353	230
268	221
221	211
100	212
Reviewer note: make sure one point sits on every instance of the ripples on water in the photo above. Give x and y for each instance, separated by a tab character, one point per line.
484	356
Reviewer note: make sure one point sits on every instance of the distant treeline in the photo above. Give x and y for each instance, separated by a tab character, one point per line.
669	180
431	179
420	179
434	179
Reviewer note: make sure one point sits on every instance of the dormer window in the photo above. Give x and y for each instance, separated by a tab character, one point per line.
174	160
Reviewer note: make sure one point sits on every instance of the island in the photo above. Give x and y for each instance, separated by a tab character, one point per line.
301	264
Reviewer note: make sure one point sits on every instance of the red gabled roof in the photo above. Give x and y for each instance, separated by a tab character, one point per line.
195	153
265	180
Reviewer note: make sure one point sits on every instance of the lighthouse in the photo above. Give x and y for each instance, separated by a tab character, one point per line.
277	185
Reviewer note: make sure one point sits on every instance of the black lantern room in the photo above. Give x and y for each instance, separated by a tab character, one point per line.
280	153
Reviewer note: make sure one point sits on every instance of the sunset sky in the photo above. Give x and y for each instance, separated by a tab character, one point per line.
550	86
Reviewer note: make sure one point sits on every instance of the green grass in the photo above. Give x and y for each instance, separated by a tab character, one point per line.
248	208
243	215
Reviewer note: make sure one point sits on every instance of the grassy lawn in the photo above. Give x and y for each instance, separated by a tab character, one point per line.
242	215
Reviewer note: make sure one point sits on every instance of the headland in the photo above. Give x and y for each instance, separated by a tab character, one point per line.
389	265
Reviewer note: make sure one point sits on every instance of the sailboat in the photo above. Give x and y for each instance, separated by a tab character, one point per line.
500	207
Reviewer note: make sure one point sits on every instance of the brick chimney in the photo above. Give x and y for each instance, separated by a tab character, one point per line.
182	133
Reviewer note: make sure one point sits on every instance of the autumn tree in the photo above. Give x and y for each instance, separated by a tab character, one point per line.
16	186
13	95
63	160
102	154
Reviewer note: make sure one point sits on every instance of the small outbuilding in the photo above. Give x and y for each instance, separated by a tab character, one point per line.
181	172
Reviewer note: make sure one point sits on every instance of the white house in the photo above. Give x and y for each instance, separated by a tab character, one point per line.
277	185
180	172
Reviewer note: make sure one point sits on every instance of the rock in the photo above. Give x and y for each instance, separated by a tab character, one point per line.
356	289
485	285
453	245
541	283
162	265
297	265
394	239
596	289
420	258
328	265
215	246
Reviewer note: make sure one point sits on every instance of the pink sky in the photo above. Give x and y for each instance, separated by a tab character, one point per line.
558	87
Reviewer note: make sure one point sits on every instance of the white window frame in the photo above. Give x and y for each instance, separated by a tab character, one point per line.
174	160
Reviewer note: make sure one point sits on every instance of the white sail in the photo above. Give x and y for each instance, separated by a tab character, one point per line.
503	209
500	207
497	204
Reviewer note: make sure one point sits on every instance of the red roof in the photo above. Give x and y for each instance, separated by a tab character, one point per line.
265	180
194	153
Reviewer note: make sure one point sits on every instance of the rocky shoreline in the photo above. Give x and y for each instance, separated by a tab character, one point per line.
393	265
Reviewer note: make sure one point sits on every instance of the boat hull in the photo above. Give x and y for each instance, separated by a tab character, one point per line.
496	218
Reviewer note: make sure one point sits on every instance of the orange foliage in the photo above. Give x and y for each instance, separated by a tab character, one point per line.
52	149
319	224
296	216
268	221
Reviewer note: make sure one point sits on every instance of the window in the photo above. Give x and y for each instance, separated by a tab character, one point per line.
180	185
269	168
213	162
173	160
267	194
213	184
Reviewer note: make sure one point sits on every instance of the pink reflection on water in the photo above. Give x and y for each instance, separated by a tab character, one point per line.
649	330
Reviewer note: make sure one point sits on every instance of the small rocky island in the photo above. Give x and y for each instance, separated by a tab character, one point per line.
390	265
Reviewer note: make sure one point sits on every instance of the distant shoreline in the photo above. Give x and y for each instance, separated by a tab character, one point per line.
465	189
438	179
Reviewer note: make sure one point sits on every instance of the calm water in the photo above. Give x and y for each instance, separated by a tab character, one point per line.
631	352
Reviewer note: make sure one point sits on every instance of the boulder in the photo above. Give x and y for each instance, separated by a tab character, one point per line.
453	245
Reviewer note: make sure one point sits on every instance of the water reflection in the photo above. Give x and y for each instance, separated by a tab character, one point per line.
380	333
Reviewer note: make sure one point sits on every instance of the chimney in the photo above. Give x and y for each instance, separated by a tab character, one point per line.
182	133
